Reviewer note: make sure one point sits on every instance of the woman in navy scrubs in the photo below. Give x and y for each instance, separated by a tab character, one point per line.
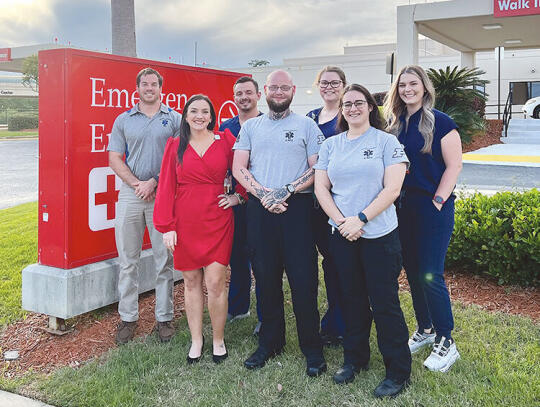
330	81
426	208
357	178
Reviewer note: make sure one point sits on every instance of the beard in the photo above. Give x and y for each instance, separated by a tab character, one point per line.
278	107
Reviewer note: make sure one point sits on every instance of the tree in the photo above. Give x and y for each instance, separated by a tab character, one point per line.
30	70
123	28
258	62
458	97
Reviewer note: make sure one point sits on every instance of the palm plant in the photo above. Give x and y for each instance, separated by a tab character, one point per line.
458	97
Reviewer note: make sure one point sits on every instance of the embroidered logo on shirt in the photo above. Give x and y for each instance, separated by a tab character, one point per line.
398	153
320	139
289	135
164	122
368	153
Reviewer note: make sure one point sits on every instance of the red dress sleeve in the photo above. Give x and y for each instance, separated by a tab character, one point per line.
164	216
229	137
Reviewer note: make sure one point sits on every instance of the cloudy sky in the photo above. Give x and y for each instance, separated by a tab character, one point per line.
229	33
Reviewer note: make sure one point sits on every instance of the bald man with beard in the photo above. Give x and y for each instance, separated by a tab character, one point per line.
273	160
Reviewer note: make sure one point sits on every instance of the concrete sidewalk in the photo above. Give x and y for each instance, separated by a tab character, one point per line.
14	400
524	155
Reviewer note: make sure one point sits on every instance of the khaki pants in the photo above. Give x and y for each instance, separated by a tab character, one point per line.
132	216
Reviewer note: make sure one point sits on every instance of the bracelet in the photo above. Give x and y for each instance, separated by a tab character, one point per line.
241	199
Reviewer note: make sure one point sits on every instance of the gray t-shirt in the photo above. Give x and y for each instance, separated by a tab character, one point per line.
143	139
356	171
279	149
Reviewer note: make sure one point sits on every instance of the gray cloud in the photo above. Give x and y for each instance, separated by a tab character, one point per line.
229	33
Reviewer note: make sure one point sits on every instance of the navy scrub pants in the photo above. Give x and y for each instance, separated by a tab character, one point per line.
368	270
425	234
332	322
281	241
240	283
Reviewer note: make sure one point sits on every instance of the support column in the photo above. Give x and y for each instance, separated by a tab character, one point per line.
407	37
468	59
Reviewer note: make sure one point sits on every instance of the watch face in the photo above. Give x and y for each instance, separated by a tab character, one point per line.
439	200
290	188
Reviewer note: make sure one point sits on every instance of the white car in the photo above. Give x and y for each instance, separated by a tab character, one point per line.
531	108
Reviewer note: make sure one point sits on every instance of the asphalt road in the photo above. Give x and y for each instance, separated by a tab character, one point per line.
19	174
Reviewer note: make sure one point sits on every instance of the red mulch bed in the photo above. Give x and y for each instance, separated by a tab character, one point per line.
92	336
490	137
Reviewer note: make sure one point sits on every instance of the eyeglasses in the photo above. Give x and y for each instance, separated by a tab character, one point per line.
284	88
334	83
359	104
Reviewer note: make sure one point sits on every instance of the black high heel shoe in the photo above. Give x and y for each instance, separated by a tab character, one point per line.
220	358
191	360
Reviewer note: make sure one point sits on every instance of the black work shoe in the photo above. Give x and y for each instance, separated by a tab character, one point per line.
125	332
331	341
389	388
259	357
315	368
346	373
165	331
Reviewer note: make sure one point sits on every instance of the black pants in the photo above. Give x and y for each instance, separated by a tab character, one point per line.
368	270
285	241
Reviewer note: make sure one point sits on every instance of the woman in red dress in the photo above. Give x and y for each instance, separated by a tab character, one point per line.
196	218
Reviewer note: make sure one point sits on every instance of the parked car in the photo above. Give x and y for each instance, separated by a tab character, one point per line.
531	108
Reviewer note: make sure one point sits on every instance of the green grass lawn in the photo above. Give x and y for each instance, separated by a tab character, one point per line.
17	134
18	248
499	365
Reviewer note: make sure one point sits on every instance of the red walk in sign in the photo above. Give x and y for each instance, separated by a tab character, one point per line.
508	8
81	94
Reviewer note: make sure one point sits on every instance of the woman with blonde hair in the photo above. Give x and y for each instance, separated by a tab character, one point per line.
330	81
426	208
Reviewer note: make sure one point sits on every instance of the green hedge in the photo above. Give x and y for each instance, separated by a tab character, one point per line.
23	121
498	236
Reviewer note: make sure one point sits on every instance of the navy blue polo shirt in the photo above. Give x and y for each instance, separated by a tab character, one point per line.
233	125
329	128
426	170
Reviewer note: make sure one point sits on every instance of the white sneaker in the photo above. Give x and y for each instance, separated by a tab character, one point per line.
443	355
421	339
232	318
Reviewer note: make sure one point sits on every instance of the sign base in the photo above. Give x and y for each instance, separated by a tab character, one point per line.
66	293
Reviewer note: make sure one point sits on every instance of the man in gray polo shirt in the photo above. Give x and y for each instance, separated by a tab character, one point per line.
273	159
141	134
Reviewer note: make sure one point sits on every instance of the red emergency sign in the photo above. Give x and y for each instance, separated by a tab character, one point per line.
81	94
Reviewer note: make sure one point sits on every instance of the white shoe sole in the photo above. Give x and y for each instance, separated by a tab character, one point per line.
239	317
451	360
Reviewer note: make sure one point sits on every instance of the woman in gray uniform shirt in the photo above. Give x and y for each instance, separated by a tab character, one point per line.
357	178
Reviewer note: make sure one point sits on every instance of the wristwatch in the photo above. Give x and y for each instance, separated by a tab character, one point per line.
439	199
290	188
362	216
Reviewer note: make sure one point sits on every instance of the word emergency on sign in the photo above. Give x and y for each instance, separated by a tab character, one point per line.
507	8
81	94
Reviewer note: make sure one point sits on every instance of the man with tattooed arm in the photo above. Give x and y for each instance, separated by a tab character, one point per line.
273	160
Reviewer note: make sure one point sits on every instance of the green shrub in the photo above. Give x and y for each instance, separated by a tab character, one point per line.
498	236
23	121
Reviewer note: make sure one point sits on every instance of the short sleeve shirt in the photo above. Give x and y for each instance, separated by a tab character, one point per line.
426	169
233	125
142	139
279	149
355	169
329	128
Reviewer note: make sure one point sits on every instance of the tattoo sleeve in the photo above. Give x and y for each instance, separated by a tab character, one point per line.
305	180
250	183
